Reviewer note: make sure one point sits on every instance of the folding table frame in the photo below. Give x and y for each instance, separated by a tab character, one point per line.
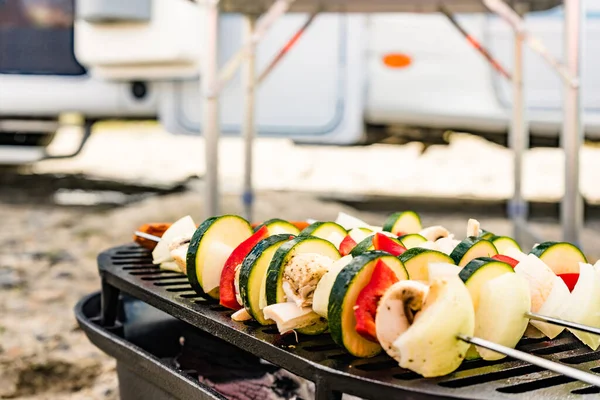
212	80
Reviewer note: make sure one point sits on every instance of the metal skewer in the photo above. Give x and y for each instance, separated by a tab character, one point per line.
562	322
535	360
147	236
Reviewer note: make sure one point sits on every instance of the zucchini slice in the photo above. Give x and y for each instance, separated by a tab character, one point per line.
365	245
417	260
278	226
253	273
412	240
479	271
208	249
500	299
472	248
348	284
330	231
403	222
503	243
561	257
284	254
486	235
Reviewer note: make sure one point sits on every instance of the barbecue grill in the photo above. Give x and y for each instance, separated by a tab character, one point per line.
128	272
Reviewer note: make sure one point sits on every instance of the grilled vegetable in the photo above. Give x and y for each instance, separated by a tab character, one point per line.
500	299
417	261
349	222
347	245
434	233
365	245
503	243
387	244
403	223
366	304
323	290
428	341
212	243
473	227
472	248
549	294
485	235
570	280
412	240
183	227
330	231
509	260
303	261
290	317
480	271
277	226
585	304
561	257
295	270
227	286
347	286
253	273
439	270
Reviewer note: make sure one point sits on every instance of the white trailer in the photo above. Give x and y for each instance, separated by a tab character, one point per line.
140	59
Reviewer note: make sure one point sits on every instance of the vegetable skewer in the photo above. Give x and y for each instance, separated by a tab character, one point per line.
348	297
530	315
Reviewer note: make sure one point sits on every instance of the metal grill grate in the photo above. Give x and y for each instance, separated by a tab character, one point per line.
129	269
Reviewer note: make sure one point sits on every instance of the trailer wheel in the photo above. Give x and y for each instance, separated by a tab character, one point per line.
29	139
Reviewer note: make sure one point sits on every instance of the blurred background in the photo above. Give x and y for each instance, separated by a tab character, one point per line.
101	131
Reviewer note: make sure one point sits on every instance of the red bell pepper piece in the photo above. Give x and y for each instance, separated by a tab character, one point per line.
506	259
347	245
387	244
227	284
366	304
570	280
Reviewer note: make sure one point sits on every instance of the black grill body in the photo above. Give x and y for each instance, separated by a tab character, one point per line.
129	270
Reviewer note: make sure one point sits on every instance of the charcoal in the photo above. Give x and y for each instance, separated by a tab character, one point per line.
237	374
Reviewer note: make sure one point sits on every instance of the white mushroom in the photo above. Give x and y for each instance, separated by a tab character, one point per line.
473	228
434	233
427	330
397	313
301	276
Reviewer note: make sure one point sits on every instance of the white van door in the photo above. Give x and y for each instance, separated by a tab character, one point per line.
315	94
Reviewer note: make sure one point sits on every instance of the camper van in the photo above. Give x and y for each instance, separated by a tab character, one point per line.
139	59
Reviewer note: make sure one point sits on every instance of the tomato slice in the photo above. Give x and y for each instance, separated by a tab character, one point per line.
227	284
570	280
366	304
347	245
387	244
509	260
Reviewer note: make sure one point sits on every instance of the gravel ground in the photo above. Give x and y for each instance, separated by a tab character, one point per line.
48	252
470	167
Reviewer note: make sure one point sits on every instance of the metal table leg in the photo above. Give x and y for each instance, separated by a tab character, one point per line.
249	76
210	126
572	134
518	140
